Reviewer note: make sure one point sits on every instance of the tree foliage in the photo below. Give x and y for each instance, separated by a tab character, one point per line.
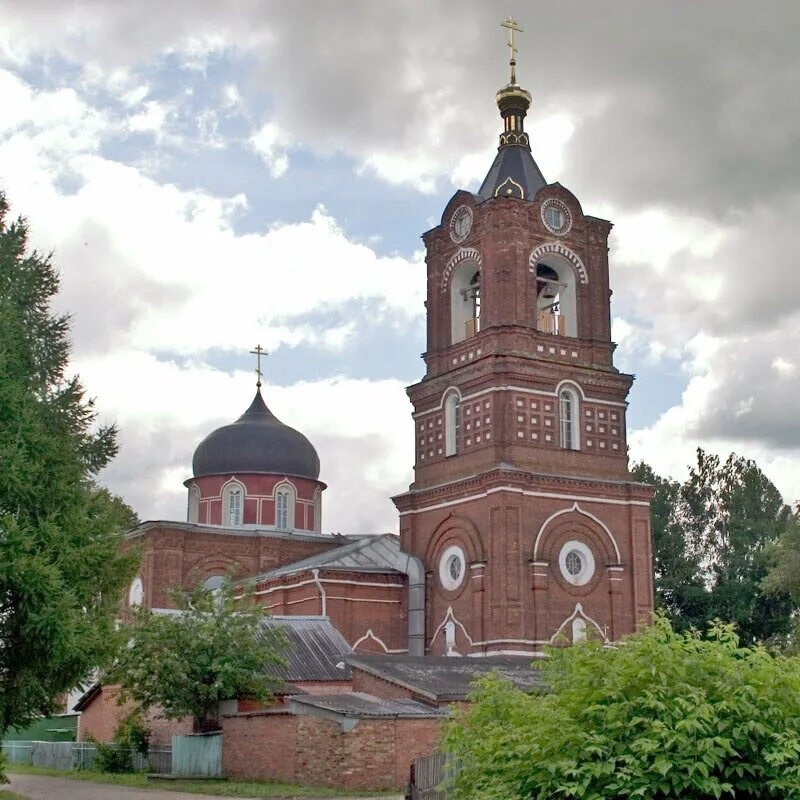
213	648
784	578
61	573
713	539
131	736
664	715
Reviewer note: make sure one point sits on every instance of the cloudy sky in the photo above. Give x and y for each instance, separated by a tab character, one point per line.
215	174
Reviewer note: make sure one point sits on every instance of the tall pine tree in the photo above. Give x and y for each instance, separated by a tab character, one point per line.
61	570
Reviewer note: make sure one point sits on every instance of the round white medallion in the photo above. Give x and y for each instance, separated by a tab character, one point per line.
461	223
452	567
556	216
576	563
136	592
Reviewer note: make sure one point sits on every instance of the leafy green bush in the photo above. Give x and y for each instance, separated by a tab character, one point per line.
663	715
111	757
131	736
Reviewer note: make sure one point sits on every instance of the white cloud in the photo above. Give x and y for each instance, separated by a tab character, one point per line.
148	268
704	246
783	366
151	119
362	430
270	143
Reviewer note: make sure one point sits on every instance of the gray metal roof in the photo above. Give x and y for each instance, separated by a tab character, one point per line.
367	554
314	649
358	704
442	678
514	162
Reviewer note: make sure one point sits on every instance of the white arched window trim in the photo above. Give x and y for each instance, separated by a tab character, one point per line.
136	592
318	511
452	421
569	417
193	512
233	495
285	500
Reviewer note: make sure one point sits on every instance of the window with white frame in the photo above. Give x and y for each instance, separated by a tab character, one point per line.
233	502
136	592
452	567
194	504
568	415
452	421
318	511
576	562
284	508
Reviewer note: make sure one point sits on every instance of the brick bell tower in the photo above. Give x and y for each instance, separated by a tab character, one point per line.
522	509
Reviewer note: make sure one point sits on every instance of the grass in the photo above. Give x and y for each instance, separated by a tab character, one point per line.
229	788
10	796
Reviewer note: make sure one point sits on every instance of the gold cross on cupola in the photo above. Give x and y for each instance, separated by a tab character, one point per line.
512	26
258	352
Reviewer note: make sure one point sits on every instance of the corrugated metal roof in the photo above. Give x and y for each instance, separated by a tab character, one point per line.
358	704
368	554
441	678
314	649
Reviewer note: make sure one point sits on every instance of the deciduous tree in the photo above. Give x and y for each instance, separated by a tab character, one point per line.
713	539
213	648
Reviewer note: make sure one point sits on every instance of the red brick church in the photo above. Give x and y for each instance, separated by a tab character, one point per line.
523	526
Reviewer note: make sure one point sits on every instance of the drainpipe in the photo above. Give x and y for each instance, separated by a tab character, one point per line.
322	596
412	567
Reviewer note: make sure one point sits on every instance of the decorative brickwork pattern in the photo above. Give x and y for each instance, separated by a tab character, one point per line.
523	458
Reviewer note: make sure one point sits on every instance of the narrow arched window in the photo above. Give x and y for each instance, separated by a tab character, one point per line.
578	630
214	582
318	511
452	421
568	413
284	508
194	504
233	501
136	592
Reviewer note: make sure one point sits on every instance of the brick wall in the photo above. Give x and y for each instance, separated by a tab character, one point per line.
100	719
178	554
371	684
261	745
376	754
357	603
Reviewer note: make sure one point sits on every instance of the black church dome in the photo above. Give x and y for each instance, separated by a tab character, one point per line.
257	442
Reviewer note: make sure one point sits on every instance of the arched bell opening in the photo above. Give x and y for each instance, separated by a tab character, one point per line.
556	300
465	301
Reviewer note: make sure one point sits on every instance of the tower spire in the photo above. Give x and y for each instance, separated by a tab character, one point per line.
258	352
512	26
512	100
514	173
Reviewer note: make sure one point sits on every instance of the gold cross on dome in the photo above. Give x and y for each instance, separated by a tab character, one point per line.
512	26
258	352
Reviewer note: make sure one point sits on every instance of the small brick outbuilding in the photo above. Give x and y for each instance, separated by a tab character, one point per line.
367	738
